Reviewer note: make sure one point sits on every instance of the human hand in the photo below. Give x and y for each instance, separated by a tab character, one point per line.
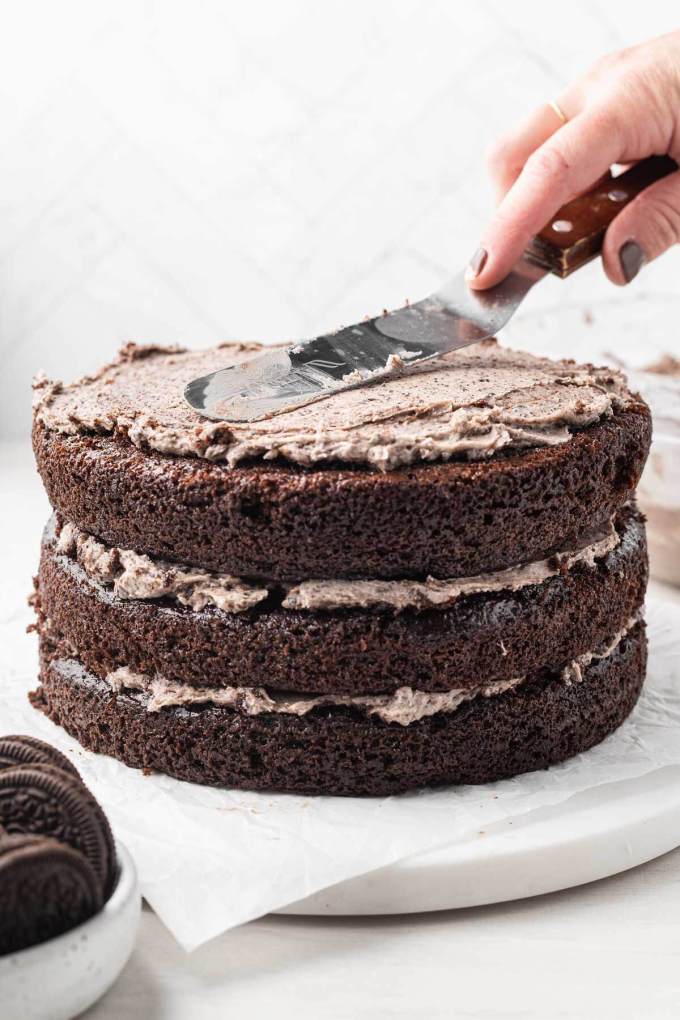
625	108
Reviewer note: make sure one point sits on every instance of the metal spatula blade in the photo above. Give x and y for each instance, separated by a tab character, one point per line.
284	378
453	317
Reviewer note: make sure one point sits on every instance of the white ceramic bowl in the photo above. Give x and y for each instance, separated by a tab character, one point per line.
659	498
58	979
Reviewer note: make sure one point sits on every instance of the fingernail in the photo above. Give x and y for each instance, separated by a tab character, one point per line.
477	263
631	257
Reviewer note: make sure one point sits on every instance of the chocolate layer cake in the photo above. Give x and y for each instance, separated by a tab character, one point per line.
437	578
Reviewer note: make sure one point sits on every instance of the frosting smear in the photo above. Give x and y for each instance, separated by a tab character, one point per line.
468	404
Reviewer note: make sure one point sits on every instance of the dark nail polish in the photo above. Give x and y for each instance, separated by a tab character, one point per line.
478	261
631	257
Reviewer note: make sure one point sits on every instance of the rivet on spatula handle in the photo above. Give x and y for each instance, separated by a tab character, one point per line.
575	234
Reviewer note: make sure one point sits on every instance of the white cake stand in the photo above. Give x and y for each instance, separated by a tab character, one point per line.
595	834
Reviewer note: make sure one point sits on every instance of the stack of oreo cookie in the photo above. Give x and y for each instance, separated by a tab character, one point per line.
57	855
436	578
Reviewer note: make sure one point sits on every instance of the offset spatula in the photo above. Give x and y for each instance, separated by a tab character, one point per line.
284	378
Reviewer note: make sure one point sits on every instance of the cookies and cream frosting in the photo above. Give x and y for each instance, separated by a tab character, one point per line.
472	403
404	706
134	575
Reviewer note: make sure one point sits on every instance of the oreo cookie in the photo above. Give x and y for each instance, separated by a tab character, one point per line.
46	801
46	888
22	750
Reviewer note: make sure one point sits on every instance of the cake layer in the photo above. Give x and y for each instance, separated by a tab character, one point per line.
526	453
340	749
498	634
284	522
404	706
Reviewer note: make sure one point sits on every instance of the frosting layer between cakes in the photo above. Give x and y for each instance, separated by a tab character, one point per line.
341	752
137	576
404	707
494	634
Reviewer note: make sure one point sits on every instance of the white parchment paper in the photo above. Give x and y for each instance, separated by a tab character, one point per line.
211	859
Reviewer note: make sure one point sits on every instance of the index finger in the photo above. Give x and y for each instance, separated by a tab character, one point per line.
566	165
510	152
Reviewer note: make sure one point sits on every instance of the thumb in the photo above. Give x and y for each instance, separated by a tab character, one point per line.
644	229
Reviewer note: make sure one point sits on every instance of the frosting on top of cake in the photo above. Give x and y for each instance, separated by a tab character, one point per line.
470	403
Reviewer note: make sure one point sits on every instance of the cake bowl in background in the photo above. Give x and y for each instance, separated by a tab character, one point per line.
659	489
60	978
638	334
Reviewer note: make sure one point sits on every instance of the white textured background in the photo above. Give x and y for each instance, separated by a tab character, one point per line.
199	171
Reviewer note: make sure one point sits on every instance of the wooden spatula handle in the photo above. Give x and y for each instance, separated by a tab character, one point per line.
575	234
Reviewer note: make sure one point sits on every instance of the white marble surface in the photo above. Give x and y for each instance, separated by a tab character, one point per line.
197	171
607	951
